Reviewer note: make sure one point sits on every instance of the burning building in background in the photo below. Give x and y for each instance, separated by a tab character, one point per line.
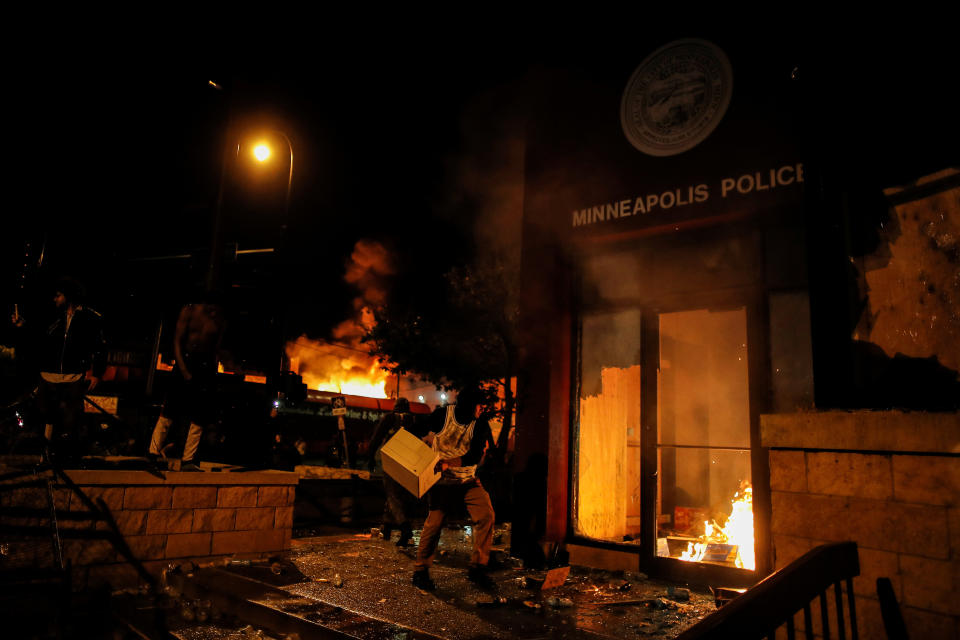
344	364
326	366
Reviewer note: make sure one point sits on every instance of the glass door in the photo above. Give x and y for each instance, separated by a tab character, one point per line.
704	495
673	374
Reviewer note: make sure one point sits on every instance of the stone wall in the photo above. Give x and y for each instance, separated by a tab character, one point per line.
175	517
889	481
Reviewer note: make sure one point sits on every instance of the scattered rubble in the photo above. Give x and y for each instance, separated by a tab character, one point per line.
371	580
497	601
678	593
621	585
559	603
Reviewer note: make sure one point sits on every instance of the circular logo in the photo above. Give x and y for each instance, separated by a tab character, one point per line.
676	97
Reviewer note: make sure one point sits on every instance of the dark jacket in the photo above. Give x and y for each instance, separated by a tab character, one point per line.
77	349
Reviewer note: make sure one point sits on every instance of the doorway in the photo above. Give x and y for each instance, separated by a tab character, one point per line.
672	367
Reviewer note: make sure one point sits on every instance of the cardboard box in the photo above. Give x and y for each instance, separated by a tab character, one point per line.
408	460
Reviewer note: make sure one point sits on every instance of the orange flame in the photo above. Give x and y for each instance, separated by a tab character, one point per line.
347	367
737	532
331	367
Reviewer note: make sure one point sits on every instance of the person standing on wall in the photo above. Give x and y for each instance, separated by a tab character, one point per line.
191	397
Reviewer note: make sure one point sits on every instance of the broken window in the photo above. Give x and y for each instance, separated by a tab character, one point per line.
703	443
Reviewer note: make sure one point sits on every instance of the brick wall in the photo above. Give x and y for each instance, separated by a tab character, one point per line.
901	507
174	518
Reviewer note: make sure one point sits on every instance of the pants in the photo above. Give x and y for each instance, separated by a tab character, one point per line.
445	497
61	404
194	399
397	502
159	437
190	399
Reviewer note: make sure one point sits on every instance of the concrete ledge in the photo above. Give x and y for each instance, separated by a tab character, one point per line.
180	478
894	431
313	472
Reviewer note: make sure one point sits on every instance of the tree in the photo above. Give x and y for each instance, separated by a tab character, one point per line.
470	337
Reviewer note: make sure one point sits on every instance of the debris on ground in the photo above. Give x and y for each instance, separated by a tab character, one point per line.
497	601
678	593
531	582
555	577
372	587
559	603
621	585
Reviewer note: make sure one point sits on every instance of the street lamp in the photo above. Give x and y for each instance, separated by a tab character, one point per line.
262	153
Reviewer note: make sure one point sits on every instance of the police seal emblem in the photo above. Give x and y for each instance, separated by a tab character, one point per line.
676	97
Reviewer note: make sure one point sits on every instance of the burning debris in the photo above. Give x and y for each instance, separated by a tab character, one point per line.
735	538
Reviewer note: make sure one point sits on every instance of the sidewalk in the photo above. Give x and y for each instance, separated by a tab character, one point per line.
359	585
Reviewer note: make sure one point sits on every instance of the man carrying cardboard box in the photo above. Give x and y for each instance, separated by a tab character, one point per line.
460	437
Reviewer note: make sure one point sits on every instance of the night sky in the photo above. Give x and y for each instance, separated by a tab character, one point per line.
396	139
127	158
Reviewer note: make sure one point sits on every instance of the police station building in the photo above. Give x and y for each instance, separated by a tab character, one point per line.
695	209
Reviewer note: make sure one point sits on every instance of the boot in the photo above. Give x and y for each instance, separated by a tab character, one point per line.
421	580
155	462
478	575
405	534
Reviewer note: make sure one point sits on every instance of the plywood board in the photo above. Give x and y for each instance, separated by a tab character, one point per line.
602	470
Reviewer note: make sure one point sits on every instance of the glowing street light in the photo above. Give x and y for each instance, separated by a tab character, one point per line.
261	152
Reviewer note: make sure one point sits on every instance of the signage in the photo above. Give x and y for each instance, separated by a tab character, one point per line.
620	147
676	97
728	187
339	405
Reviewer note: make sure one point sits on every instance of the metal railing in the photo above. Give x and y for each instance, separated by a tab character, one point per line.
775	601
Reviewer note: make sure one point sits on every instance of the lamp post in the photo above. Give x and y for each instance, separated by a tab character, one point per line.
262	153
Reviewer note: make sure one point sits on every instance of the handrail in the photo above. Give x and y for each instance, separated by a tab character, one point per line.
775	600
